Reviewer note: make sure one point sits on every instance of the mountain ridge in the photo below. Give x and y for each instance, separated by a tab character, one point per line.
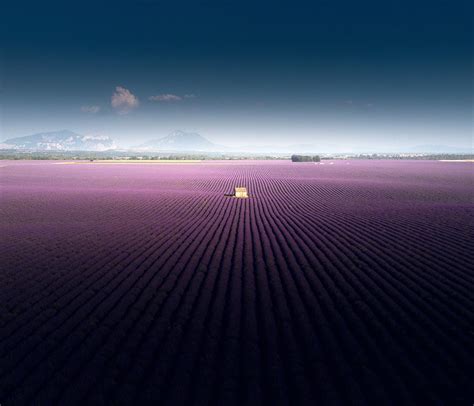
189	142
62	140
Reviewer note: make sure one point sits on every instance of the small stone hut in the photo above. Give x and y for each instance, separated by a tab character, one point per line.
241	192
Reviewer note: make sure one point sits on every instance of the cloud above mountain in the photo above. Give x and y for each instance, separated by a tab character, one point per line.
124	101
90	109
165	98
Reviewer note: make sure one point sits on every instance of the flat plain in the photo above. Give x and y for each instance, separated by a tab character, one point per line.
345	283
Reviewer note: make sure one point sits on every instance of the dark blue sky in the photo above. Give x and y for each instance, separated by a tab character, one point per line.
392	73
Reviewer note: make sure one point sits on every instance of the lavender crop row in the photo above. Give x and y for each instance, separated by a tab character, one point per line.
331	284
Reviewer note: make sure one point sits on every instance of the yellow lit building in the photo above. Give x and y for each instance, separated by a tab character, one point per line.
241	192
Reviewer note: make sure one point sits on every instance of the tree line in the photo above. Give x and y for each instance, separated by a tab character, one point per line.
305	158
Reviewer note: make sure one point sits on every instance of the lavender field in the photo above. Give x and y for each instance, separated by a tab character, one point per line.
345	283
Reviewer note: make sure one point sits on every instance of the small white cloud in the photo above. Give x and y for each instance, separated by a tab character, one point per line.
123	100
90	109
190	96
165	98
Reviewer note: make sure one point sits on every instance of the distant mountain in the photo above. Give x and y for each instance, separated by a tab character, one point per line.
180	141
63	140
